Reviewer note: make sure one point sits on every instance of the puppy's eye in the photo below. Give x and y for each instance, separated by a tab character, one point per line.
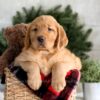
35	29
50	29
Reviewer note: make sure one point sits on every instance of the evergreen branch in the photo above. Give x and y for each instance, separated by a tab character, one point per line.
57	8
77	35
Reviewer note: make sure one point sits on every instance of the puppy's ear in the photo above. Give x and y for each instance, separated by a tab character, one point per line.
62	39
27	41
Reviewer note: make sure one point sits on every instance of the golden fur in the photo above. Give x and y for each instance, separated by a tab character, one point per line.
50	57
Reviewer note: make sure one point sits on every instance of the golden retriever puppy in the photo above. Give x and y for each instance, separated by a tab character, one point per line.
45	52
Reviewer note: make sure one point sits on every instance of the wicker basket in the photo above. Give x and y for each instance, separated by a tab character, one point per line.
15	90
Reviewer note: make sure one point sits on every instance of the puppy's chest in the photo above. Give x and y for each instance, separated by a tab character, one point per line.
45	63
46	60
50	59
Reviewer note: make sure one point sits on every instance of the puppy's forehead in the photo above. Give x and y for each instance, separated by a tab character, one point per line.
46	19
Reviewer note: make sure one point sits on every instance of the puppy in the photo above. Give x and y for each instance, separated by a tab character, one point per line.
45	52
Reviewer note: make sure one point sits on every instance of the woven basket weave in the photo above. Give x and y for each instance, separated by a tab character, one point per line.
15	90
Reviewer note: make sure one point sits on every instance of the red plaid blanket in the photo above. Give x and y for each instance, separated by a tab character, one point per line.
46	92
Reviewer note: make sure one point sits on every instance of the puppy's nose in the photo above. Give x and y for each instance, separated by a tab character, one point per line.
40	39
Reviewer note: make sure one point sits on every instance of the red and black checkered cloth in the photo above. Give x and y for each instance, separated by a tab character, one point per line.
46	91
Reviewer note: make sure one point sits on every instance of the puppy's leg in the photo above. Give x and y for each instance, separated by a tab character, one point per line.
33	73
58	76
34	77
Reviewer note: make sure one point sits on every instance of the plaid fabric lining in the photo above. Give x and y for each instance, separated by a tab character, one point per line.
46	92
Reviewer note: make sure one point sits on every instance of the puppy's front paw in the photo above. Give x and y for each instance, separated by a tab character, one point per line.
58	85
35	83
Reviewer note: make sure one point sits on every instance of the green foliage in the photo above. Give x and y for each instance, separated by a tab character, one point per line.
90	71
78	37
3	43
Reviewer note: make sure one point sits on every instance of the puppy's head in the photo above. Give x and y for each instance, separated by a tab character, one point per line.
45	33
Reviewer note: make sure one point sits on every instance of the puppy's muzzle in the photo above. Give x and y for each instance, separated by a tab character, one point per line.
41	39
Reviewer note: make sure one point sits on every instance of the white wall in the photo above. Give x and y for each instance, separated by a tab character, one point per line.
89	12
